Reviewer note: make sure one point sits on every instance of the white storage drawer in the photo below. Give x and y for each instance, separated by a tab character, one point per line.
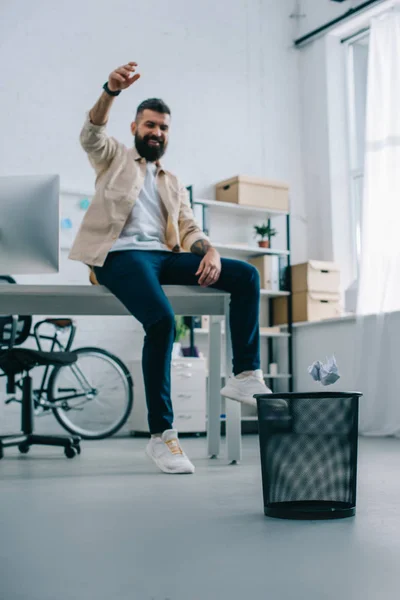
188	378
187	364
189	399
188	394
188	383
187	369
190	421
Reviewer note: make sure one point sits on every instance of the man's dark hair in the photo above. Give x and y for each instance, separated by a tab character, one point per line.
155	104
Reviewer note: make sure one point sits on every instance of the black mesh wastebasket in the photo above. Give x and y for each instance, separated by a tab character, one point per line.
308	445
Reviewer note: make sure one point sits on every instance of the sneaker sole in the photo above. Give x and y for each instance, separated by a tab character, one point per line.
240	398
165	469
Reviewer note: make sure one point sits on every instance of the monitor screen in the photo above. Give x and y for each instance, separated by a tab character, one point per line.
29	224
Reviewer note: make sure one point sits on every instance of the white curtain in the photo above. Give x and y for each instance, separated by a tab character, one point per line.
377	354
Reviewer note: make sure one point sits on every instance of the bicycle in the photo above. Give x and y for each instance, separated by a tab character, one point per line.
91	409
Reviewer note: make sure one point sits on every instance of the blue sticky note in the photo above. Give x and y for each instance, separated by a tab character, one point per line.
66	224
84	204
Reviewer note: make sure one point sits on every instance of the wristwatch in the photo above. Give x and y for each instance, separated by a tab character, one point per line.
109	92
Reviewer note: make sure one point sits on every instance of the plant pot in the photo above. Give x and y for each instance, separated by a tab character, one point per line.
263	243
188	354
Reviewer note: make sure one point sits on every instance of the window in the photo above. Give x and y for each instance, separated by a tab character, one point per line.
357	75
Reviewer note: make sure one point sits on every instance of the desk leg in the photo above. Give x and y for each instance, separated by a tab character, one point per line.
233	409
214	387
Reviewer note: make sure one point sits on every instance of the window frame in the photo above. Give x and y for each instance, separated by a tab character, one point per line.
356	172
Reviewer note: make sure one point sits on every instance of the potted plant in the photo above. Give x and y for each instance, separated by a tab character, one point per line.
181	332
265	232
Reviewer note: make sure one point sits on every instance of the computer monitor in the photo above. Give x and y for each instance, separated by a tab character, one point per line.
29	224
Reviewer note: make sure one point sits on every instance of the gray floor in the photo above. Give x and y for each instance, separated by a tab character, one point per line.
107	525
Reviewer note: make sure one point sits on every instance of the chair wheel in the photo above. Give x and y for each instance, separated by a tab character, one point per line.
77	448
23	448
69	452
1	452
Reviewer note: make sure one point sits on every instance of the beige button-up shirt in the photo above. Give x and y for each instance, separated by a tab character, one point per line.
120	173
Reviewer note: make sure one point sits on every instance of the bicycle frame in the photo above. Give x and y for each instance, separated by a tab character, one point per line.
56	344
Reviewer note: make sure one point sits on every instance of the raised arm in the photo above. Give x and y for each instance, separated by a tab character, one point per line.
101	148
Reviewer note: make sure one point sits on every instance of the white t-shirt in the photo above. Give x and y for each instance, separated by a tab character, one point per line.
146	225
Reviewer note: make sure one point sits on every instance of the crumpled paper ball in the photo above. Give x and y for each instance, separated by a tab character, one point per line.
327	373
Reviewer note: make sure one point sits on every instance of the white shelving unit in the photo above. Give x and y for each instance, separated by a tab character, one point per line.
245	251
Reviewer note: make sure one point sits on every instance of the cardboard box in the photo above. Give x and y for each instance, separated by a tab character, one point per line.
251	191
316	276
268	268
308	306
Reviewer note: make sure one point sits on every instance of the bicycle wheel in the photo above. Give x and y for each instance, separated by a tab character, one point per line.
94	396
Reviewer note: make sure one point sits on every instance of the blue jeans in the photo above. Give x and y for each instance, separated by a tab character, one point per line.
135	277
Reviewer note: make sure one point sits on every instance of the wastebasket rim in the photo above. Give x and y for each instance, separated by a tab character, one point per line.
309	395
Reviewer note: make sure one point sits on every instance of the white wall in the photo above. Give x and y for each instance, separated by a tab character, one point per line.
243	101
228	70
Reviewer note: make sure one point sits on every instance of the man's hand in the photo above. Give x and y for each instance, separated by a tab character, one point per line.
121	78
210	268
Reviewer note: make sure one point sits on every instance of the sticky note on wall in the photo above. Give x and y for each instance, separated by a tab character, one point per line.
66	224
84	204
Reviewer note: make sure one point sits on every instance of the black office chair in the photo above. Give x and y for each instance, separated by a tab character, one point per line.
14	330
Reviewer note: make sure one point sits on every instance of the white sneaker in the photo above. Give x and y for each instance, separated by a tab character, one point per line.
167	453
243	389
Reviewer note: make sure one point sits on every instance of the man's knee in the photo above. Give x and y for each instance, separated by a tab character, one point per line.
249	275
161	325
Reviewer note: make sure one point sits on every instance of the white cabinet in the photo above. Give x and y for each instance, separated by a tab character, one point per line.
188	394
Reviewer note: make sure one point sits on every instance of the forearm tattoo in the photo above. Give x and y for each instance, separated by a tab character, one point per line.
201	247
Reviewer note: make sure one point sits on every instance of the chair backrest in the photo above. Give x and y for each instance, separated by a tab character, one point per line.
14	330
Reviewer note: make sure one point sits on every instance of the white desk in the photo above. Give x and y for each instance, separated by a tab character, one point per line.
63	301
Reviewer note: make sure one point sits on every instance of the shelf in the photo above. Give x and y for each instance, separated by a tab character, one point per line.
272	294
262	333
239	208
280	334
249	251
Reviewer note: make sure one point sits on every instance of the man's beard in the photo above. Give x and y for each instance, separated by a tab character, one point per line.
150	153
